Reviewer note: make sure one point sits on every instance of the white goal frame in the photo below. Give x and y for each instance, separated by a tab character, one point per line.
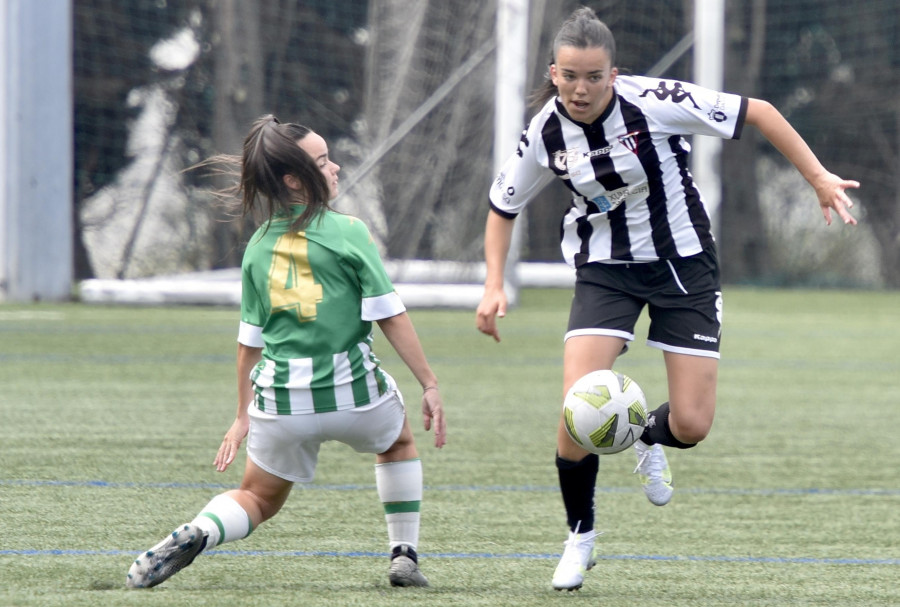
444	284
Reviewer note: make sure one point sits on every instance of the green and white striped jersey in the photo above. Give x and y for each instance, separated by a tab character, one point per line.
309	299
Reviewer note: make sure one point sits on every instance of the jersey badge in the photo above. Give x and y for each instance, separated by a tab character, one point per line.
561	160
630	141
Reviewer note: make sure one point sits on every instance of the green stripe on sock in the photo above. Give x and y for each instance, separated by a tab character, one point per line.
398	507
218	523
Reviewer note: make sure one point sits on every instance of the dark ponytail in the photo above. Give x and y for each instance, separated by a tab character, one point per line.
271	152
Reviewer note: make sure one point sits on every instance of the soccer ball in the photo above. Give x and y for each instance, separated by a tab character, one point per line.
605	412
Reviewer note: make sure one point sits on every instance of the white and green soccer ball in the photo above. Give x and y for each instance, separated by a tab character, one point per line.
605	412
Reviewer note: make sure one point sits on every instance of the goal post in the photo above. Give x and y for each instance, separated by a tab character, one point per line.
36	258
509	109
709	61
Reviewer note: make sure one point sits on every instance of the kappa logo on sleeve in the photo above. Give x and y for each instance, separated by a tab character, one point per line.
677	93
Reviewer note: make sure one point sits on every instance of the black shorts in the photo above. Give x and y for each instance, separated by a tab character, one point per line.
684	299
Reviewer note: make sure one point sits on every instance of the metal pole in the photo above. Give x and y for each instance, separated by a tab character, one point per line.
36	259
709	61
509	107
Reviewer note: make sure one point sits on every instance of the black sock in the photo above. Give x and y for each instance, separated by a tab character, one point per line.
658	430
576	482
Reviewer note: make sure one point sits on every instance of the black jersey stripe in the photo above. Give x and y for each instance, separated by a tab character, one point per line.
620	247
699	218
605	173
554	140
661	232
604	169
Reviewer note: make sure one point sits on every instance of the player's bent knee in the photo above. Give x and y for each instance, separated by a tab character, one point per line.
692	432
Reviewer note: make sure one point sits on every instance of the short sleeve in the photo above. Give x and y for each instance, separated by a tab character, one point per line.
686	108
253	308
379	299
524	174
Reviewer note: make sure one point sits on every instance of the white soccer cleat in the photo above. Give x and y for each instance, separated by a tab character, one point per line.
167	558
578	557
654	472
405	568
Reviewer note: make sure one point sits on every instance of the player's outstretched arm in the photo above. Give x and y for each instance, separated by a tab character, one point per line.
402	336
497	238
830	189
247	358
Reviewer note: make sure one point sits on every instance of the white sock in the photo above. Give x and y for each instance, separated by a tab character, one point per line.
223	520
400	490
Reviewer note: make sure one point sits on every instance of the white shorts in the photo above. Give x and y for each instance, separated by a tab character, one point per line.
288	445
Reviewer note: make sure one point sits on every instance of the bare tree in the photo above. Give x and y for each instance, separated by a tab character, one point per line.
240	85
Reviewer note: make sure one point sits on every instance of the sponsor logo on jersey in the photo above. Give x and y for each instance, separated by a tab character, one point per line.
717	113
598	152
507	193
677	93
609	201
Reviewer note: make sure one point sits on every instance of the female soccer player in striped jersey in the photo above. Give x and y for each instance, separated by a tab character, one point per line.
638	234
313	283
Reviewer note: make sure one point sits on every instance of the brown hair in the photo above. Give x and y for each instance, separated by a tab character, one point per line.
271	152
583	29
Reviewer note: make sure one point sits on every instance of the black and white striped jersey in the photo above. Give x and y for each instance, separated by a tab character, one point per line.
634	198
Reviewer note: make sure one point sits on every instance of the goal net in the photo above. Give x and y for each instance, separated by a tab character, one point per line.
404	93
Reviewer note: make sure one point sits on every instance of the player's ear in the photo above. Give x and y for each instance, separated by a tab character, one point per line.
292	182
553	74
612	74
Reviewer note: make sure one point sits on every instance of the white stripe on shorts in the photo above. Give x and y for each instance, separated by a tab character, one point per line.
599	333
680	350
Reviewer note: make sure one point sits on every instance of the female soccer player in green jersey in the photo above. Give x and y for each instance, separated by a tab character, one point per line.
312	285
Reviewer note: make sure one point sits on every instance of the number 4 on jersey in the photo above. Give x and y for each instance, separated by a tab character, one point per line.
291	281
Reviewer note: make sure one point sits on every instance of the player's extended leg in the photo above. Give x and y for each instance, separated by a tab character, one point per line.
398	478
227	517
680	423
577	468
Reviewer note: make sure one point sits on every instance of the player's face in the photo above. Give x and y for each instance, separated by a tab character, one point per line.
584	78
315	146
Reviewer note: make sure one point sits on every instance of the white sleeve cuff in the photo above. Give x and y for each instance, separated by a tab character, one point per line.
250	335
383	306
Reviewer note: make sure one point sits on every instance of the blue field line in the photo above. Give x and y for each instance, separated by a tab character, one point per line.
457	488
483	555
51	358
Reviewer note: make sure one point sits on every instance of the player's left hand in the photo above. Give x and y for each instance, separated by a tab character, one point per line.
231	444
832	194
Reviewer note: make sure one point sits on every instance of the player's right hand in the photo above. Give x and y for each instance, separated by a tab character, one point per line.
493	306
228	450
